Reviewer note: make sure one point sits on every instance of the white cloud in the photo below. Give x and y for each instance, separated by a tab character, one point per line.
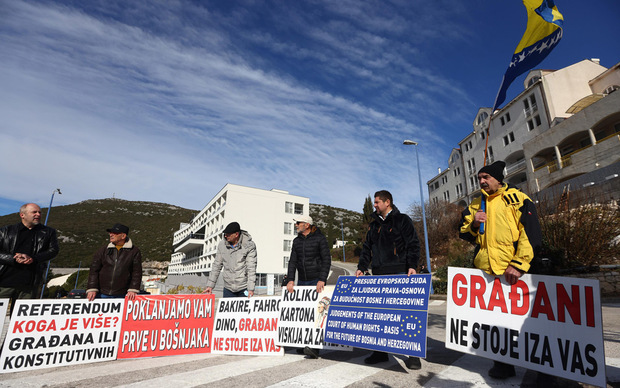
99	105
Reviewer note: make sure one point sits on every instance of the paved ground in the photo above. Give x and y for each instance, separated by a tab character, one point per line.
441	368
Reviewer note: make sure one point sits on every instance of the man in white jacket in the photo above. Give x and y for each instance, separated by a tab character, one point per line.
236	258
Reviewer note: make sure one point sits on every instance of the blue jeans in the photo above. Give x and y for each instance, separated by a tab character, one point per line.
239	294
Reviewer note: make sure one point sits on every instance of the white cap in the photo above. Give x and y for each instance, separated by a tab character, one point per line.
307	219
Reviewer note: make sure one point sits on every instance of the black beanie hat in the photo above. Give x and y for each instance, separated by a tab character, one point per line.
496	170
233	227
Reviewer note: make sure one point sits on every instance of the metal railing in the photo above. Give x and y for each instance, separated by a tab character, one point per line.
515	167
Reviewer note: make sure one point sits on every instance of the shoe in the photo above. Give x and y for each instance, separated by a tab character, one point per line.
547	381
312	353
376	357
300	350
413	363
501	370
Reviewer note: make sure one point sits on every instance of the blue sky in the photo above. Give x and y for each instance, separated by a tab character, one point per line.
168	101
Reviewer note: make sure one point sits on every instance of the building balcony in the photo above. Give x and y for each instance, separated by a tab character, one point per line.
193	241
515	167
578	162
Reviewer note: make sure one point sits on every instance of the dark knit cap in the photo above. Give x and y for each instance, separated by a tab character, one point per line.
496	170
233	227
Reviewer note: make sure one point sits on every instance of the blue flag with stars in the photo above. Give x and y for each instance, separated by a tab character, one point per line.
542	34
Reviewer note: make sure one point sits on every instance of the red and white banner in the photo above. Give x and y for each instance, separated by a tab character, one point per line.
166	325
545	323
49	333
247	326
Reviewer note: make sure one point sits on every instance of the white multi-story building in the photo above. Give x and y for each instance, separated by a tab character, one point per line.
267	215
559	113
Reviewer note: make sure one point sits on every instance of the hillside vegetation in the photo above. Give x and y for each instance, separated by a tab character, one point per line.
328	219
82	227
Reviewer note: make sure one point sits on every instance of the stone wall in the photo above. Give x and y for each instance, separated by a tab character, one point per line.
609	281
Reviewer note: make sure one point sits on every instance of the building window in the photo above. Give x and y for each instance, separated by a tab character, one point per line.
288	228
611	89
444	180
446	196
459	190
471	166
509	138
490	158
288	207
286	260
529	103
505	118
457	171
299	208
533	122
473	183
288	244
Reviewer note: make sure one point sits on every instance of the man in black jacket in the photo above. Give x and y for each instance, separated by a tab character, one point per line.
116	270
391	248
310	256
311	259
25	249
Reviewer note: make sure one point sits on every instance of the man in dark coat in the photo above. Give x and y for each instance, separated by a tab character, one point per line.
310	256
116	270
25	250
391	248
311	259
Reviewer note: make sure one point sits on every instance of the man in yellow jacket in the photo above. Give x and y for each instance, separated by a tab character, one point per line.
503	224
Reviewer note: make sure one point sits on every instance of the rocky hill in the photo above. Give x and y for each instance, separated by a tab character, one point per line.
329	218
82	227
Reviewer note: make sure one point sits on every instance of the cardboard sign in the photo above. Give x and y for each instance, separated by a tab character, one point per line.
166	325
49	333
247	326
303	318
545	323
384	313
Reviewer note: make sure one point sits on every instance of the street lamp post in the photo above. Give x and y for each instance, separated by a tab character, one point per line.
344	259
428	257
47	216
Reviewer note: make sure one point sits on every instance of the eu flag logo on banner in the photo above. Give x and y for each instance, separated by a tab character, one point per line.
543	33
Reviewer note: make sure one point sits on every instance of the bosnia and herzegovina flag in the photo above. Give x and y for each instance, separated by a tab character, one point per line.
543	33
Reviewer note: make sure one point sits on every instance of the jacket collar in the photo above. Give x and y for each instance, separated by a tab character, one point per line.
128	244
499	191
391	214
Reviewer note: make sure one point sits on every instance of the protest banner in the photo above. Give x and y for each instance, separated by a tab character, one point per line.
49	333
247	326
303	317
166	325
4	305
549	324
383	313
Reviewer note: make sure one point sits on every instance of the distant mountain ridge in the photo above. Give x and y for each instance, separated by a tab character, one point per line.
82	226
329	218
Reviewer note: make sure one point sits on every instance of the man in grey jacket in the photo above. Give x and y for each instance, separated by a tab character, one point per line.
236	258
